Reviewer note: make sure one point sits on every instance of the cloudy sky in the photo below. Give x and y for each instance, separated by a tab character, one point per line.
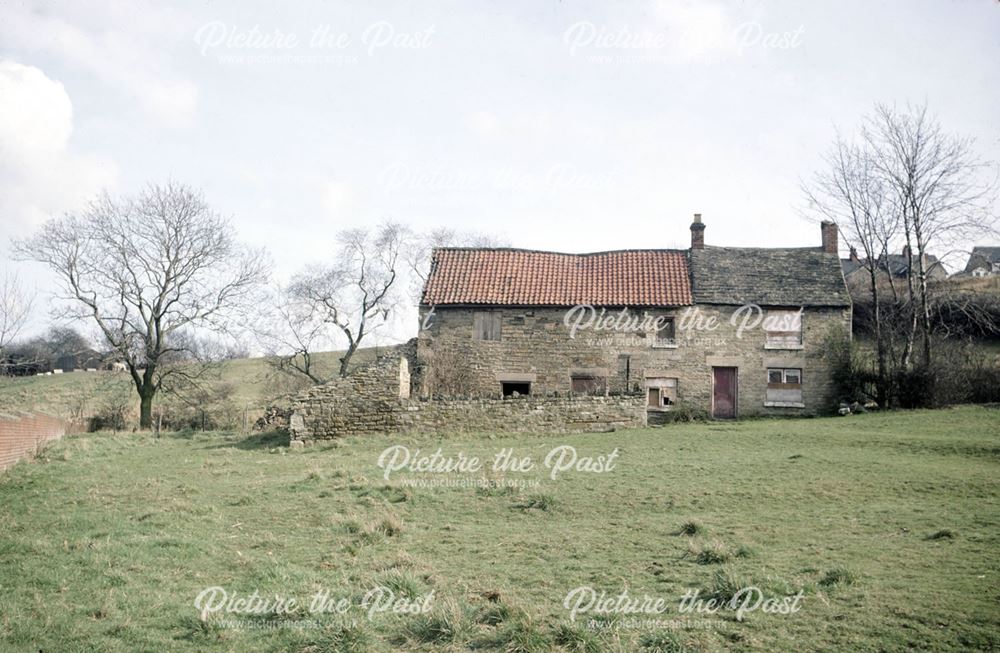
573	125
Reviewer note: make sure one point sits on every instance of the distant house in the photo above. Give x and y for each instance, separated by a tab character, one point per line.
855	269
983	262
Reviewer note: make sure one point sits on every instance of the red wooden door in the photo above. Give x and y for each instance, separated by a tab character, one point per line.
724	392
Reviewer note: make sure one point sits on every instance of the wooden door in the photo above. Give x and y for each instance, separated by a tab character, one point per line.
724	392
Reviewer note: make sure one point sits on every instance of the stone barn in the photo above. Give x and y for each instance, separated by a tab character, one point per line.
723	331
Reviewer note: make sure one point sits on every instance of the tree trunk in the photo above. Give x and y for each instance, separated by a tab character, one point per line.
882	387
145	409
925	311
345	361
912	297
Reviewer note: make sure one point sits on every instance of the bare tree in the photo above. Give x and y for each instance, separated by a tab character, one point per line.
939	190
15	308
358	292
850	192
292	334
145	269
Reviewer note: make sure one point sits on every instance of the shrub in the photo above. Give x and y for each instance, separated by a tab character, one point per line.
683	412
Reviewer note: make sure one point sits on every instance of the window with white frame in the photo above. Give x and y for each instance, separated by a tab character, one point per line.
784	387
783	329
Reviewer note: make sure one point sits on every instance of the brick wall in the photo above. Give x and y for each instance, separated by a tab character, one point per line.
535	345
24	434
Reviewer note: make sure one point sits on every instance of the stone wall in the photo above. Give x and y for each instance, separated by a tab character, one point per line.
375	399
524	414
535	345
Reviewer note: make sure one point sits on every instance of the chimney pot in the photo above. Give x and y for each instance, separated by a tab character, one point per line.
697	233
829	232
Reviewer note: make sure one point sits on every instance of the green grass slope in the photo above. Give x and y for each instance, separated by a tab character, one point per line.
888	523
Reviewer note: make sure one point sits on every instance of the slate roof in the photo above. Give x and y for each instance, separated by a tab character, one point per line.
518	277
768	277
897	264
849	266
981	256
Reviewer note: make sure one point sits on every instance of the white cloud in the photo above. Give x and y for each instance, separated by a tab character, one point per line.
40	174
120	59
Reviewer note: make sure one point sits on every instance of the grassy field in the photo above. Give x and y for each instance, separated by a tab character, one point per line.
76	395
889	524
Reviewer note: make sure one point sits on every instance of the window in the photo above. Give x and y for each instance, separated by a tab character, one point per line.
784	377
784	387
486	325
589	385
661	393
510	387
665	335
783	329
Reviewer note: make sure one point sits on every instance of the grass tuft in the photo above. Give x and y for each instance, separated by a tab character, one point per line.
726	583
494	614
446	624
522	635
402	584
713	553
661	641
691	528
577	639
543	502
838	576
943	534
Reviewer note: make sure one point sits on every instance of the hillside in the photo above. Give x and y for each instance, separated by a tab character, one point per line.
248	383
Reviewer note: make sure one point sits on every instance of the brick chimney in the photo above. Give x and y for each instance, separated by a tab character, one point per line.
854	256
829	231
697	233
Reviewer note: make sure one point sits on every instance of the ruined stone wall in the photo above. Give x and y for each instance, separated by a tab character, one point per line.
375	399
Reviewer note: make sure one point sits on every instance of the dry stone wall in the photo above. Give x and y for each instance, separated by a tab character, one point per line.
375	399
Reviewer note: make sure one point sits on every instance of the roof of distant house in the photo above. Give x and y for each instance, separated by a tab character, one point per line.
981	256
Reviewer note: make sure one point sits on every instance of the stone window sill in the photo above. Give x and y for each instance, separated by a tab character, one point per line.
788	347
784	404
665	346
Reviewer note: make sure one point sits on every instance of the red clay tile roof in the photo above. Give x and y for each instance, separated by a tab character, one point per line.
531	278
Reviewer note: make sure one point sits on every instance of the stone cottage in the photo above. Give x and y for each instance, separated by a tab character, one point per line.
719	330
